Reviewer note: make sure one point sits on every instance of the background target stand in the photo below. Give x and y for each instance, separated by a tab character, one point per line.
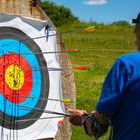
12	63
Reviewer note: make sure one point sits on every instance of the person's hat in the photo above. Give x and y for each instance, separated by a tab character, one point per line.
137	20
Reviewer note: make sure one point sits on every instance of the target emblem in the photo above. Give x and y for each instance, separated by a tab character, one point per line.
21	78
10	79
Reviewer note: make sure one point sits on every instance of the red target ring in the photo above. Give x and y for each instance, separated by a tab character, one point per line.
15	65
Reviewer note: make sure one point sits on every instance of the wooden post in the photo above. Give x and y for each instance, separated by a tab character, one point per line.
29	9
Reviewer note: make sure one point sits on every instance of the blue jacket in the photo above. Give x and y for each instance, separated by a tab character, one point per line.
120	97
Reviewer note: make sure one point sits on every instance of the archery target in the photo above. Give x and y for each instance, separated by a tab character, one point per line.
23	63
21	77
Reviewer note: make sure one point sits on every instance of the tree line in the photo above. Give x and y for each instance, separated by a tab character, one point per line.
59	15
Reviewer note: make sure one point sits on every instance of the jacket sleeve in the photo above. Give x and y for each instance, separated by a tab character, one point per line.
113	89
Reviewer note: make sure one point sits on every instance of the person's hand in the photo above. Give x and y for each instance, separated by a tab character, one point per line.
76	114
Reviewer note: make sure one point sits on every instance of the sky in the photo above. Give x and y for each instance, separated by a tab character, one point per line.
102	11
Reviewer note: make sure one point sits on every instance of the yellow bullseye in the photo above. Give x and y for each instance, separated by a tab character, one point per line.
14	77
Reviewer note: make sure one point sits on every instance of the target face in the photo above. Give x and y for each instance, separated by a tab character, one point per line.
23	82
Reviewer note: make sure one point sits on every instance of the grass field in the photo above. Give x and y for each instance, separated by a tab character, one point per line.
99	51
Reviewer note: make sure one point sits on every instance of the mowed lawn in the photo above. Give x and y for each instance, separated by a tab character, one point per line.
99	49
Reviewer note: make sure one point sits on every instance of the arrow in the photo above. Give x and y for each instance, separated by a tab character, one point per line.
66	101
43	110
60	122
82	69
73	51
33	119
92	28
36	68
87	29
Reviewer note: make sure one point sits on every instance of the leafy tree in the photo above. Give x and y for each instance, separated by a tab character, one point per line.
58	14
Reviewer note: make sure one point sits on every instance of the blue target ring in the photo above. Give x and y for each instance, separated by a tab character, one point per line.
13	46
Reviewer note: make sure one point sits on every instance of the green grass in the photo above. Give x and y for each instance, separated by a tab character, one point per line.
96	55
